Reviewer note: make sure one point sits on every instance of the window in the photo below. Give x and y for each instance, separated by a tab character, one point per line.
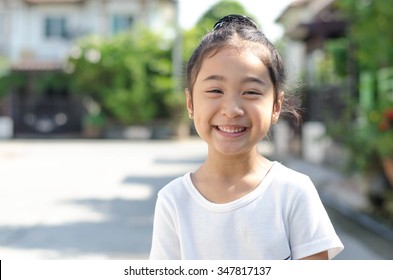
121	23
55	27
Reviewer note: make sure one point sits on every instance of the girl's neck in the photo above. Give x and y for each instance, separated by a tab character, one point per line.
235	166
222	179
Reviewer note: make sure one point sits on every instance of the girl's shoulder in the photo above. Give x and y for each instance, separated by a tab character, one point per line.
290	178
292	186
175	188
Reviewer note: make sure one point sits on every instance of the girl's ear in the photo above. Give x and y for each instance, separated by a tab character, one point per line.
277	106
190	108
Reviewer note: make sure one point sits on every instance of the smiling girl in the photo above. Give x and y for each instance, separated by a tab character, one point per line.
239	204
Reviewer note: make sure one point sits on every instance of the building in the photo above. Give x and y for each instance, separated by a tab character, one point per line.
308	26
35	38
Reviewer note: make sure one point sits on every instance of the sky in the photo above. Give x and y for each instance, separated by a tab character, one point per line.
264	11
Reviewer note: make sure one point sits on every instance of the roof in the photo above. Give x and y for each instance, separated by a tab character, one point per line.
36	65
51	1
293	5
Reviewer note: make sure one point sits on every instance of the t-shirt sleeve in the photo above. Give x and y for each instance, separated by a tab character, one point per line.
165	242
311	230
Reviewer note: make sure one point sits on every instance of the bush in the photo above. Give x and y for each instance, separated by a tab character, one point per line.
129	76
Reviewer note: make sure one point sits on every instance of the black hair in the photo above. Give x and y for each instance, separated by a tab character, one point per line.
239	31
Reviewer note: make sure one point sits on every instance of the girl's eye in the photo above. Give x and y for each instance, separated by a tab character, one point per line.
253	92
215	91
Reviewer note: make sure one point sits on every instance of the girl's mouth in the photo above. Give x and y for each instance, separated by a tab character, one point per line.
231	129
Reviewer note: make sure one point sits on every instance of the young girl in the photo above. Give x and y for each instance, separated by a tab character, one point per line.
238	204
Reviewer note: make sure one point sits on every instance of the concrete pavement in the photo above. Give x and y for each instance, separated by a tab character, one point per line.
84	199
87	199
346	201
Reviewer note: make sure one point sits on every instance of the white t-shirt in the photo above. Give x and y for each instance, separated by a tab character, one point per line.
283	218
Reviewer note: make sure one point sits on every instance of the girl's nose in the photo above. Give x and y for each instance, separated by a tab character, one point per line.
232	108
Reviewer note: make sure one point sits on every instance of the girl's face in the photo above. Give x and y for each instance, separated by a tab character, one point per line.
232	102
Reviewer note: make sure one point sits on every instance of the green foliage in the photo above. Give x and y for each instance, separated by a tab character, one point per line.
4	69
366	128
337	52
223	8
382	124
128	75
193	36
54	80
11	80
368	43
370	30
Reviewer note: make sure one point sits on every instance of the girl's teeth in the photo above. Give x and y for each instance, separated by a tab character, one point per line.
231	130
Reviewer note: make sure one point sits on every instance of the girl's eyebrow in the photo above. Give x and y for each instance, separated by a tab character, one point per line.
254	80
245	80
214	78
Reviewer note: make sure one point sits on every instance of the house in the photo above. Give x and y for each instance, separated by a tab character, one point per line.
308	26
36	37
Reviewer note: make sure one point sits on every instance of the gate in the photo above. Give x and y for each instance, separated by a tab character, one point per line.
47	116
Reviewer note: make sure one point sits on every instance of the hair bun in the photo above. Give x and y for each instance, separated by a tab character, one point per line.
234	20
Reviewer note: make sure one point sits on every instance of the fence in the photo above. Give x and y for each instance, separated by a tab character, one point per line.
46	116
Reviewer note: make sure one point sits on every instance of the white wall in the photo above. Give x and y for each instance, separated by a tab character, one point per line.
26	28
28	31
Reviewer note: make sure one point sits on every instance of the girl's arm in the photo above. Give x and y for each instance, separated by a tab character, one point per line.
319	256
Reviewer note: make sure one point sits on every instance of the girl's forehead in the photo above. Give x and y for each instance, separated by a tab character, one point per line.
229	51
230	55
239	49
234	47
233	64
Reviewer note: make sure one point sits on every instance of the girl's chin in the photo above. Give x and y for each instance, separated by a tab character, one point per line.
232	149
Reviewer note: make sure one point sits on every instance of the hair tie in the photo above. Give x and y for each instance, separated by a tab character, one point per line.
234	19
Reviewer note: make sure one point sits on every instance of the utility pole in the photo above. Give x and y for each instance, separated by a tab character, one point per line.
177	51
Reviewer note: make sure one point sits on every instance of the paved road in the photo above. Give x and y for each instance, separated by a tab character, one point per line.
95	199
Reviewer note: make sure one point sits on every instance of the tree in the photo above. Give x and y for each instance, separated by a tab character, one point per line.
206	22
129	76
370	23
367	127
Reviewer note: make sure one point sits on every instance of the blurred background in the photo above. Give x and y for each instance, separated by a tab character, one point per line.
93	123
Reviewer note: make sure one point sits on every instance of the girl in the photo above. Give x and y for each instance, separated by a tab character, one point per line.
238	204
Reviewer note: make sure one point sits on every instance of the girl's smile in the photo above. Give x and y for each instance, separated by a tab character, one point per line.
231	130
